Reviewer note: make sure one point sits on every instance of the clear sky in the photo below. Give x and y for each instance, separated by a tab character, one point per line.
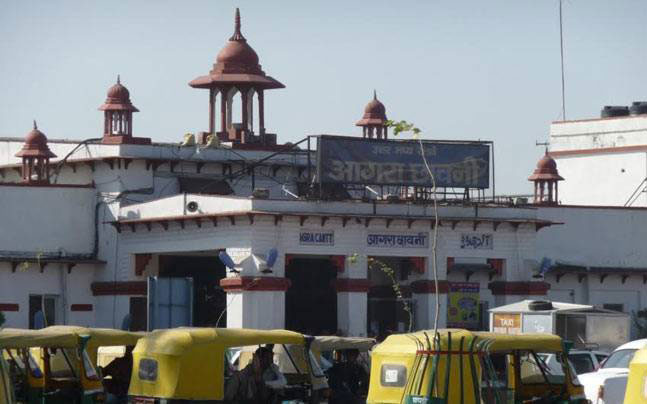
457	69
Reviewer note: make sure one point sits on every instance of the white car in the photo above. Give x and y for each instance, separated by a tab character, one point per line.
582	361
608	384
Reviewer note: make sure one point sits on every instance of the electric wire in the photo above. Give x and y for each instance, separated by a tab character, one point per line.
60	163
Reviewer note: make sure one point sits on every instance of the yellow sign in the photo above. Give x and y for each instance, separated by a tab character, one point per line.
506	323
463	311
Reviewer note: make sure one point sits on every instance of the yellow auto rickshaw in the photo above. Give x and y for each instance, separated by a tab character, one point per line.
460	366
298	369
636	392
196	364
346	362
6	384
57	364
66	373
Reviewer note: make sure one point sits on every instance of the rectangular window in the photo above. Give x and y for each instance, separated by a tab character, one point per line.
43	310
582	363
614	307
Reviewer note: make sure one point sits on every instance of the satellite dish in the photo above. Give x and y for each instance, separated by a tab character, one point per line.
272	255
226	259
544	266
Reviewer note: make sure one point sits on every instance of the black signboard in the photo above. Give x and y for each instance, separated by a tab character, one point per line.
393	162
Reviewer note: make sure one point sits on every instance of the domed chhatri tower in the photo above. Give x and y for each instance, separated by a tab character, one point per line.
373	122
237	71
546	178
35	158
118	117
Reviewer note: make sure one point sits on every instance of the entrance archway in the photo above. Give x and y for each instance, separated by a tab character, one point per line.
311	300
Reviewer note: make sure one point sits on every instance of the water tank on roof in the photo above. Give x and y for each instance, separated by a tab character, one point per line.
610	111
638	108
537	305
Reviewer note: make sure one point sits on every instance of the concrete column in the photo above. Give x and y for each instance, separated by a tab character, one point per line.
425	310
212	111
256	309
352	297
261	112
352	308
229	112
244	106
223	110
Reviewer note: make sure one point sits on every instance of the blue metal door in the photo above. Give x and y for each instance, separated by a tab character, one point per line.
170	302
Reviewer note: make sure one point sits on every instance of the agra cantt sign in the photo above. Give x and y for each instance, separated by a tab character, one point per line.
388	162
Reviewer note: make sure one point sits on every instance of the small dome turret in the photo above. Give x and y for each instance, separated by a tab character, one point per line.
374	119
118	99
35	156
35	145
546	178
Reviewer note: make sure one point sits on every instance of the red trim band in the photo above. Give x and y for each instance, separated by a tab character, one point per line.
81	307
253	283
518	288
601	150
429	286
9	307
351	285
139	288
36	185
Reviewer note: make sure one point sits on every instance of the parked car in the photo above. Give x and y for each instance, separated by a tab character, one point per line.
608	384
582	361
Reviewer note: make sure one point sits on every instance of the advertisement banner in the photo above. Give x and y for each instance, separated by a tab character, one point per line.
463	310
506	323
389	162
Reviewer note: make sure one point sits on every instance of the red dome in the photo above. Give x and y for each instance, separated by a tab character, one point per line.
374	113
118	93
546	169
547	164
236	64
35	145
238	53
118	99
375	108
237	56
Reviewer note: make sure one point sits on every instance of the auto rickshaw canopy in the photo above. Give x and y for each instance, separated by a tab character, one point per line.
453	356
191	361
636	392
15	338
520	342
330	343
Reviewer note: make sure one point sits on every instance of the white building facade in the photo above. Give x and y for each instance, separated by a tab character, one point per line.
126	232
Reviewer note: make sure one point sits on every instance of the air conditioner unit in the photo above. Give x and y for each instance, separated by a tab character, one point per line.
261	193
392	198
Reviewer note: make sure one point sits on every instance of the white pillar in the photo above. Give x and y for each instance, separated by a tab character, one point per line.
256	309
352	297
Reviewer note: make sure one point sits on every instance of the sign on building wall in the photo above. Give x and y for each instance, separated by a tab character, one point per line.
506	323
463	310
477	241
398	240
538	323
317	238
389	162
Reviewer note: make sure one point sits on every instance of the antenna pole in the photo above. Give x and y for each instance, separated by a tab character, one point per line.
561	48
